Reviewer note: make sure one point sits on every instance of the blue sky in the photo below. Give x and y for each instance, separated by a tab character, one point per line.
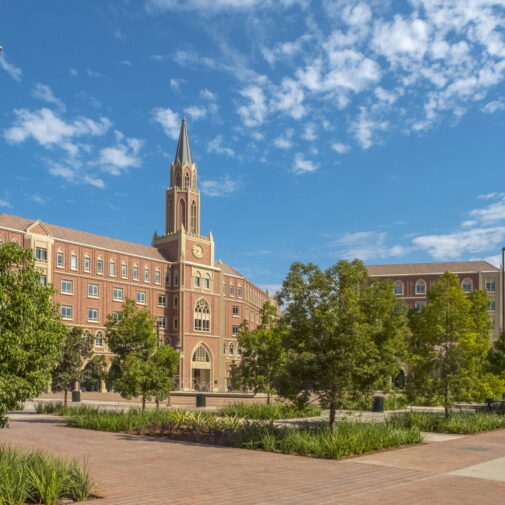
322	129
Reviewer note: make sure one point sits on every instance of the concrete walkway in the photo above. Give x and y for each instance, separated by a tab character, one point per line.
134	470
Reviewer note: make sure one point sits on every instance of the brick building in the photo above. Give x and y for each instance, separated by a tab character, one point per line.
412	281
199	303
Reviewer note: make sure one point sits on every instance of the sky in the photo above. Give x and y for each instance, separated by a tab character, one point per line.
321	130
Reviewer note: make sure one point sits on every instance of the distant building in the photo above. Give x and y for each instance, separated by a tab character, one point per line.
412	281
199	303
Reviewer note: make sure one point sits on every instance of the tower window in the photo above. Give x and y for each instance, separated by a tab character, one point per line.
186	181
178	179
194	223
202	316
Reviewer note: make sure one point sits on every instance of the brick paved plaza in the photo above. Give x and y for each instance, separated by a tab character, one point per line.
134	470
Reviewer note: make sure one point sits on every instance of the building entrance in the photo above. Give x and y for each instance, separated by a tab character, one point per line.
201	366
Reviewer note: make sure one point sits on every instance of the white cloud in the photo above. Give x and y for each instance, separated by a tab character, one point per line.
4	203
365	128
126	63
309	132
208	95
196	112
37	199
45	93
222	187
175	84
169	121
284	141
491	107
214	6
254	113
15	72
303	166
340	148
123	155
73	72
215	146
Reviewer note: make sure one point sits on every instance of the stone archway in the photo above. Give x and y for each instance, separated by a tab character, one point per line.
201	368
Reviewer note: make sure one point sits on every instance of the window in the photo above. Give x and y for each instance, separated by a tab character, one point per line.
232	290
207	282
398	288
491	305
73	261
141	297
176	278
419	306
235	310
197	280
202	316
175	323
99	266
124	270
59	259
86	336
41	254
112	268
93	291
467	285
168	278
146	274
67	286
234	329
175	301
99	339
162	301
490	286
93	315
157	276
135	273
66	311
161	322
43	280
193	221
231	349
239	291
116	315
186	181
87	263
201	354
178	179
420	287
117	294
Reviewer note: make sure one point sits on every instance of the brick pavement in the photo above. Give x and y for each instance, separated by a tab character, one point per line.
139	470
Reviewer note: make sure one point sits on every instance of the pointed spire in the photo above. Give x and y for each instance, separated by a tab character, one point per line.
183	153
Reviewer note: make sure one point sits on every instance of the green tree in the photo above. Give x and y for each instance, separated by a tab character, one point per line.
345	334
263	355
148	378
96	369
449	345
496	357
75	349
30	329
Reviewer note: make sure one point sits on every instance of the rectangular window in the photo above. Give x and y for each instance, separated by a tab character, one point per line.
419	306
467	286
197	282
116	316
59	259
232	290
43	280
67	287
157	277
99	267
93	315
491	305
207	283
124	271
146	274
162	301
66	311
135	273
420	288
491	286
41	254
117	294
87	264
234	329
176	301
73	262
235	310
112	269
93	291
239	291
141	297
175	323
161	322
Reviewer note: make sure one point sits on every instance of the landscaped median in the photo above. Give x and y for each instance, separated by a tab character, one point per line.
314	439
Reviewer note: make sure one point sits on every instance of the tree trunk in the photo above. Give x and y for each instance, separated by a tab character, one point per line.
143	403
157	400
65	396
333	408
446	399
268	397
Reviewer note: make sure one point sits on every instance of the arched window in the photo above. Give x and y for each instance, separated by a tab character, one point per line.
420	287
73	261
202	315
193	218
157	276
186	181
201	354
86	336
112	268
146	274
398	288
467	285
182	213
231	348
135	272
99	339
87	263
178	179
198	279
99	265
60	259
207	282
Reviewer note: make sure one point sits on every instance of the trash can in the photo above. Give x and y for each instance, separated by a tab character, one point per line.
201	401
378	404
76	396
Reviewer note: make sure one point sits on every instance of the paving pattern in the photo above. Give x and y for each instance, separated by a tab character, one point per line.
134	470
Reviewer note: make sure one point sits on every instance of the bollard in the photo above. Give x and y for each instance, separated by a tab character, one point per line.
201	400
76	396
378	404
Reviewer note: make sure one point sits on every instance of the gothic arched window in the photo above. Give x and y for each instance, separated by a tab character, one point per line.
202	315
193	217
201	354
186	181
178	179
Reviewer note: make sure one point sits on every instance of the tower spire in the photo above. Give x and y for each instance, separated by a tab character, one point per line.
183	153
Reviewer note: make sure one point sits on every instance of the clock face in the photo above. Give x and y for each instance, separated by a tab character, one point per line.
197	251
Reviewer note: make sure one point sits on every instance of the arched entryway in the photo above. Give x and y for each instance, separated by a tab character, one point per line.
201	368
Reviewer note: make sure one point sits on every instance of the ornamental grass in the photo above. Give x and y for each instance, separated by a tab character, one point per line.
272	411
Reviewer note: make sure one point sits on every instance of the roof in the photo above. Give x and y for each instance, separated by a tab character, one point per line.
432	268
228	270
83	237
183	153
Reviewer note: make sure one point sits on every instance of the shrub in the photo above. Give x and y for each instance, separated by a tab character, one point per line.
272	411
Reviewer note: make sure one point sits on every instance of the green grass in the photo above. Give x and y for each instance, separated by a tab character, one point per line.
57	409
272	411
38	477
455	423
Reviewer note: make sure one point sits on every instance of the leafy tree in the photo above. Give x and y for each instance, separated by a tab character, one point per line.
145	369
496	357
30	329
75	349
96	369
152	377
449	345
345	334
263	355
